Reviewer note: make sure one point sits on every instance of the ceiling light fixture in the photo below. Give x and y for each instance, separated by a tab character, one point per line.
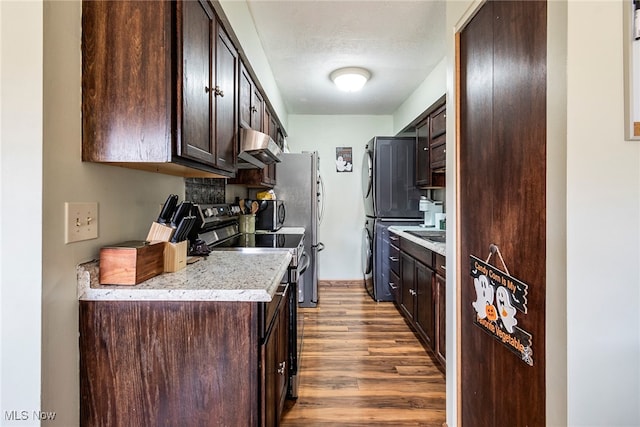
350	79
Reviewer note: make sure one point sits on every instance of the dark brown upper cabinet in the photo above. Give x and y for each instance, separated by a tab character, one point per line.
159	83
251	102
431	147
255	114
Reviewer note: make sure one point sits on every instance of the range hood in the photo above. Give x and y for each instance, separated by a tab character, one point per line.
257	150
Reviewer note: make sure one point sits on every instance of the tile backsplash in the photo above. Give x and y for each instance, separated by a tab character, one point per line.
205	190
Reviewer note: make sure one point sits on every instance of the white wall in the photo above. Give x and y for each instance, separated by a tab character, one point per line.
128	202
603	193
237	12
429	91
343	223
20	210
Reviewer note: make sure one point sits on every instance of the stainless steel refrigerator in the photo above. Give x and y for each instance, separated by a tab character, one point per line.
299	186
390	198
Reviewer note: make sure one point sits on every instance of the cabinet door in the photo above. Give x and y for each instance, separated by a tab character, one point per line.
438	122
423	170
226	122
407	267
245	92
275	371
270	351
110	91
423	314
282	367
441	318
257	110
197	25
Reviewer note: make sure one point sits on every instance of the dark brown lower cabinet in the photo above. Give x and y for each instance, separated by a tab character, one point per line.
440	301
195	363
418	299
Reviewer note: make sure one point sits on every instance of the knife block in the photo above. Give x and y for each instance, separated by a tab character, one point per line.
160	233
175	256
130	263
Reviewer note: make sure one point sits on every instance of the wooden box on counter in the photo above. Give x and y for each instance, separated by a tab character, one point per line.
175	256
130	263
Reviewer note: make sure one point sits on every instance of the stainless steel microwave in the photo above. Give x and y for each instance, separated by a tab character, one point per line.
271	215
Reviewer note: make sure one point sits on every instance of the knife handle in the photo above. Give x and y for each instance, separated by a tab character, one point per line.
167	209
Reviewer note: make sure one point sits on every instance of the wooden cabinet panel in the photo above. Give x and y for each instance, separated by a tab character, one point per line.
431	147
198	22
254	114
407	289
438	160
257	110
420	298
149	80
245	93
438	122
423	169
441	318
424	309
168	363
275	352
226	102
183	362
128	76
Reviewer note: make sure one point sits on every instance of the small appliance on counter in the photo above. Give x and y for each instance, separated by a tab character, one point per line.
430	209
271	215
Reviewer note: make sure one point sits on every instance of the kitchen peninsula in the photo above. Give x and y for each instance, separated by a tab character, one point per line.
202	346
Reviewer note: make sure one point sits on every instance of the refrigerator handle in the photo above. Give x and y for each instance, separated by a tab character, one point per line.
321	199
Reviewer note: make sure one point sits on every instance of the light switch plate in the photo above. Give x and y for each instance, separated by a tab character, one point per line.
81	221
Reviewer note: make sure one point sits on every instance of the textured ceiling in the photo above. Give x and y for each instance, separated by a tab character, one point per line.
399	42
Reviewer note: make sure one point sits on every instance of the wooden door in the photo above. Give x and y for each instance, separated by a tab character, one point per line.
502	165
245	94
424	315
423	169
257	110
407	269
226	67
197	26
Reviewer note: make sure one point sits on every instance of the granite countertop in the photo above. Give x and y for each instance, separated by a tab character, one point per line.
222	276
437	247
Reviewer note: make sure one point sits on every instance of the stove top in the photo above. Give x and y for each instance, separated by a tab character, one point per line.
261	241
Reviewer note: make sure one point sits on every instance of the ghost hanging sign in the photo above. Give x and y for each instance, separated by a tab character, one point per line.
499	299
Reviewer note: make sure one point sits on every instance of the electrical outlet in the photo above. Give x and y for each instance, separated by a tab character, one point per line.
80	221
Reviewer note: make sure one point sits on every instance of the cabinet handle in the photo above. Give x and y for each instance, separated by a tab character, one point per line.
425	149
281	367
412	292
392	285
254	109
207	89
443	267
394	259
218	92
394	238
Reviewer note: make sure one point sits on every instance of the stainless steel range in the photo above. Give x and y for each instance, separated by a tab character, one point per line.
220	232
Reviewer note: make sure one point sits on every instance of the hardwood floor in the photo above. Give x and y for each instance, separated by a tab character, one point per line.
363	366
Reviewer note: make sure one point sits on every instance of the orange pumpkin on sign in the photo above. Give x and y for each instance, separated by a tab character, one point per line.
491	312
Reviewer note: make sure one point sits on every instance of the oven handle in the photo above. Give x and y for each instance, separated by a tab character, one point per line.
305	264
